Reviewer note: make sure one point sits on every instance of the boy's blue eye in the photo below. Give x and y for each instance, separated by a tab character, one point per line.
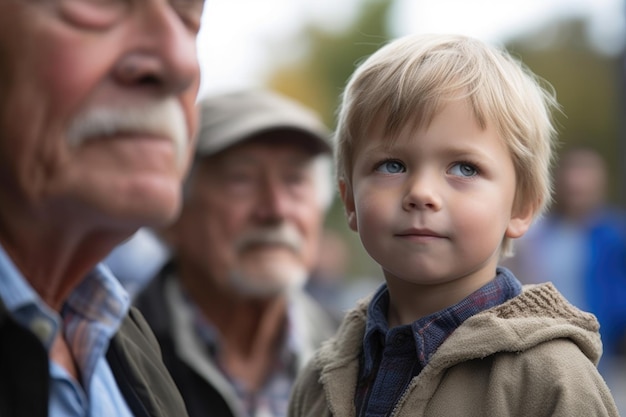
463	169
391	167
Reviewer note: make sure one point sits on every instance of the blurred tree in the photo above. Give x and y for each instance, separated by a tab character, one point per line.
319	78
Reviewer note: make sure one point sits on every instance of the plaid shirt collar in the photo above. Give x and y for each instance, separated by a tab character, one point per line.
431	331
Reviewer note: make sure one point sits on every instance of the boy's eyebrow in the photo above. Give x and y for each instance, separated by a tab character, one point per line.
468	149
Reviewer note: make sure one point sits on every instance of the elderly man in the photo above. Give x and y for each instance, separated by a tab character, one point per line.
96	114
230	313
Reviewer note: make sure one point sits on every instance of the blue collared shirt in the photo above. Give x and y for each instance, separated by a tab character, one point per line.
89	319
392	357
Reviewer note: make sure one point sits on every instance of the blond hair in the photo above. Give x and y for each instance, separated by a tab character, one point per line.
409	80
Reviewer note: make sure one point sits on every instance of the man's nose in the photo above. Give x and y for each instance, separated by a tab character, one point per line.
273	201
161	52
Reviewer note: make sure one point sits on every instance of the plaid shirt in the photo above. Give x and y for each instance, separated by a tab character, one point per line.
389	360
90	317
272	398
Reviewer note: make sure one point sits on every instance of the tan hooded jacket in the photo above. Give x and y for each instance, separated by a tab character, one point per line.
534	355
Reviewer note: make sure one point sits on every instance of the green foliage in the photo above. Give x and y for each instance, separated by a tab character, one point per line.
319	78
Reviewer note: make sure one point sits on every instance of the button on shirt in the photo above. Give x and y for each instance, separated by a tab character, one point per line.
89	319
392	357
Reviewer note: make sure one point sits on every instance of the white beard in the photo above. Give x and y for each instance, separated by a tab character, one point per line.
270	281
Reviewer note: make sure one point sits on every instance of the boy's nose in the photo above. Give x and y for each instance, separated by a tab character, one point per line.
422	195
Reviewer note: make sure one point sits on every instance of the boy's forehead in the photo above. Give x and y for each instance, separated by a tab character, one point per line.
409	116
385	128
380	134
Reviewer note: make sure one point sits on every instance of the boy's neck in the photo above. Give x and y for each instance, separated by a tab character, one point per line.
409	302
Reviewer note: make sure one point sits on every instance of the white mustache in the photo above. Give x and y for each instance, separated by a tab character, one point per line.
283	235
163	118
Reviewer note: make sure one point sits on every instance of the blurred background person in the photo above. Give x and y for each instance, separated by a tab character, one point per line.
229	309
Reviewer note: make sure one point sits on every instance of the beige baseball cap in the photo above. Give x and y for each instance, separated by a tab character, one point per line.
232	118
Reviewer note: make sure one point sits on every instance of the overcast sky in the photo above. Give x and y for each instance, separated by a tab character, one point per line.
240	38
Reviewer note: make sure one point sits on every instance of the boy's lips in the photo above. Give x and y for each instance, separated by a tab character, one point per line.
419	233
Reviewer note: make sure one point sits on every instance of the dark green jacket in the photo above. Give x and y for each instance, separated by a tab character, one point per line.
134	357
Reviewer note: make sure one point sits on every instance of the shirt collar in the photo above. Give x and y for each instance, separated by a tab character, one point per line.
431	331
99	297
92	315
376	327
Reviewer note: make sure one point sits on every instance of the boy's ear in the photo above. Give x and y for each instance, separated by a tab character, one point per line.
348	203
520	221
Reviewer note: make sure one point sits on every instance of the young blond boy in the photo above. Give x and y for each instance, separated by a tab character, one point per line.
444	152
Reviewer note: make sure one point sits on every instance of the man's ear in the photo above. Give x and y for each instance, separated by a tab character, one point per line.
348	203
520	221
